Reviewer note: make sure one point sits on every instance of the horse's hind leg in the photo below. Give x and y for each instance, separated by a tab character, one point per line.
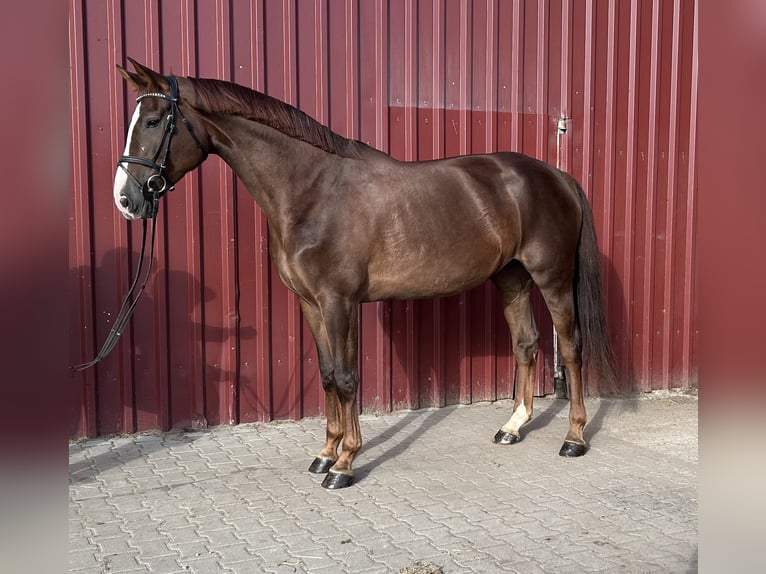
515	285
559	297
334	433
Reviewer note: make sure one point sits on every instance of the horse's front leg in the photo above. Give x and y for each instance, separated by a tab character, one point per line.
340	321
334	433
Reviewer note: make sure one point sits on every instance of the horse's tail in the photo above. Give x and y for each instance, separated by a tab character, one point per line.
598	358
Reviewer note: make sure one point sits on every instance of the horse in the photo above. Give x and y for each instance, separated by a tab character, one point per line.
350	224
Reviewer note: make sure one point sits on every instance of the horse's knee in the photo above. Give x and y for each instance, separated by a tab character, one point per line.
328	381
347	384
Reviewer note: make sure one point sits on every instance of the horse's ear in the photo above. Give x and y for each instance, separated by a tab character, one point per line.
144	78
133	79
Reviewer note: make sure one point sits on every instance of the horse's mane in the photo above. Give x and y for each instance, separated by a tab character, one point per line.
229	98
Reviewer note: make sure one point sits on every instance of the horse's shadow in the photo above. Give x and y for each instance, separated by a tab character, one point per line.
434	417
429	421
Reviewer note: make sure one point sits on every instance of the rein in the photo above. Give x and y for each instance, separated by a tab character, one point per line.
152	189
127	307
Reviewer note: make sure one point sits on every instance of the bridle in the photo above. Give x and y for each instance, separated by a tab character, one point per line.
155	186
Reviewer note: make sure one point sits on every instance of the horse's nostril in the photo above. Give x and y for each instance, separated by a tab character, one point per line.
124	201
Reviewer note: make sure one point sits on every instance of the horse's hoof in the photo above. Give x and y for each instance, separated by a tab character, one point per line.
336	480
504	437
572	449
321	465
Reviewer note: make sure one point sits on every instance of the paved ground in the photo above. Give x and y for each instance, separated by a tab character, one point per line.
433	495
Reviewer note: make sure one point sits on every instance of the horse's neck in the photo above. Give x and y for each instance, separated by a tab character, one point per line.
272	166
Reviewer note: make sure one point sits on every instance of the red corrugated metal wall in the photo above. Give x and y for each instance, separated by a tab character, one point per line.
218	338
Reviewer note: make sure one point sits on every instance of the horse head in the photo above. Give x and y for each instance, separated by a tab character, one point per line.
157	153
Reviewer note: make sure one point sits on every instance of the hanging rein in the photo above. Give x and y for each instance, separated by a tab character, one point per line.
155	186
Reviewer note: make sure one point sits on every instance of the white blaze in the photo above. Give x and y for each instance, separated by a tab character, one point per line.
121	178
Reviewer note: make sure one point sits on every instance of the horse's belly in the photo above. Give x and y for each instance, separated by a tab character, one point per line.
428	279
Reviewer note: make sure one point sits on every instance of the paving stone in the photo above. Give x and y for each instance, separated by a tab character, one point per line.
122	562
80	559
204	565
234	553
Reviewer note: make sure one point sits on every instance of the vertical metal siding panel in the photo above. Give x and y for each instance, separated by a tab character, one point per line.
609	158
620	94
688	362
230	317
661	197
679	161
533	126
285	318
84	344
517	77
263	296
373	74
543	138
219	316
621	334
566	74
402	83
430	145
243	70
342	32
671	206
187	379
484	81
578	102
106	227
312	85
646	374
603	46
541	81
165	373
505	83
294	315
373	115
255	395
457	142
604	162
122	236
483	74
504	86
555	38
589	57
683	194
175	224
528	78
402	139
148	354
642	186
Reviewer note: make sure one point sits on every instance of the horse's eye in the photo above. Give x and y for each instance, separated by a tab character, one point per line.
152	123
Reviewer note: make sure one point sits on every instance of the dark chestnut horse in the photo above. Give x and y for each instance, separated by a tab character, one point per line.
348	223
